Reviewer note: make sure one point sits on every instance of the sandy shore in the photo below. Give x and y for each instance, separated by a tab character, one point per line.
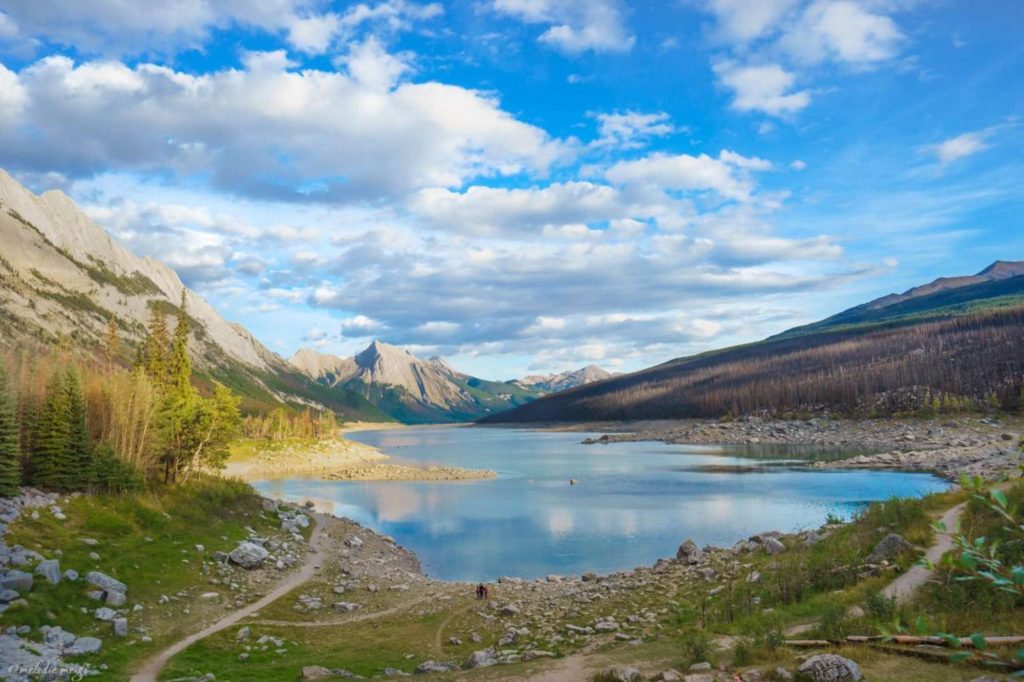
337	459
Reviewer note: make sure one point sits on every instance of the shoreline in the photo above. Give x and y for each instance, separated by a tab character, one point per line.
337	459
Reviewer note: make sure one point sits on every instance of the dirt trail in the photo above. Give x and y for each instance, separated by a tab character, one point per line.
371	615
151	668
903	589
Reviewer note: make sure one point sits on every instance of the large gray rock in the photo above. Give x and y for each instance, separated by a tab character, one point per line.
105	582
888	548
773	545
316	672
248	555
14	579
482	659
689	553
49	570
84	645
621	673
105	613
435	667
828	668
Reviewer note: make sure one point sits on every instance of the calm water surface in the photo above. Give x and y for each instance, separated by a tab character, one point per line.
633	503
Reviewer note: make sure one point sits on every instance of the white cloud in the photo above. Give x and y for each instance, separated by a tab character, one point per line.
110	27
798	165
573	26
683	172
842	31
961	146
348	135
743	20
359	326
631	129
766	88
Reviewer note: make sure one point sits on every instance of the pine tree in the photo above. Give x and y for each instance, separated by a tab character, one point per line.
10	448
51	438
181	364
155	360
78	461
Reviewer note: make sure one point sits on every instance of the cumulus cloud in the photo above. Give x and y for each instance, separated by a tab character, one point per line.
776	41
357	133
766	88
574	27
630	129
107	27
684	172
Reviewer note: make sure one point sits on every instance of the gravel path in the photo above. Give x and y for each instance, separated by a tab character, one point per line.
152	667
904	587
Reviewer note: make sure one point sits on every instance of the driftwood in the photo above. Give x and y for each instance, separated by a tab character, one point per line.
965	642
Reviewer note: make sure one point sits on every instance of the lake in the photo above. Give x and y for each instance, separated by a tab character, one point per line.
633	502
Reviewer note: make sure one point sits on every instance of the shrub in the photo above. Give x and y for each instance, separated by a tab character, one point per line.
111	474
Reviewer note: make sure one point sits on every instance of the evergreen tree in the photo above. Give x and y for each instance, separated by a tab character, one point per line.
10	449
180	363
78	461
51	438
155	360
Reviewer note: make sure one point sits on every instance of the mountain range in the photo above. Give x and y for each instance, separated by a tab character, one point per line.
954	343
413	390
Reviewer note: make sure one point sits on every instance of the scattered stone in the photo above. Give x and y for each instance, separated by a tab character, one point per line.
49	570
623	674
84	645
115	599
482	659
105	613
689	553
105	582
828	668
435	667
120	627
773	545
698	667
316	672
890	547
13	579
248	555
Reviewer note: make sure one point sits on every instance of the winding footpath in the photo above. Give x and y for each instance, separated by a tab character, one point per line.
903	589
151	668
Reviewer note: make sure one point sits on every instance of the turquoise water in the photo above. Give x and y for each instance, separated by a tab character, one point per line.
633	503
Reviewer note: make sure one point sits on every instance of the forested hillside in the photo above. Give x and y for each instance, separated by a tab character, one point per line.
951	348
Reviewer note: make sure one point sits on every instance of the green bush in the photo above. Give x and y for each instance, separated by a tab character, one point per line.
111	474
696	647
879	607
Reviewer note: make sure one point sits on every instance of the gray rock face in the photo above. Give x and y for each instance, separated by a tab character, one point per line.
14	579
49	570
828	668
888	548
248	555
105	582
689	553
482	659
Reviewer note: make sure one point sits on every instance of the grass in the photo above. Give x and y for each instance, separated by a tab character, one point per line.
146	541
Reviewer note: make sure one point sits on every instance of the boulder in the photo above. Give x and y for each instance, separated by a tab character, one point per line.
482	659
316	672
14	579
670	675
120	627
773	545
84	645
105	613
105	582
828	668
689	553
49	570
248	555
435	667
114	598
621	673
888	548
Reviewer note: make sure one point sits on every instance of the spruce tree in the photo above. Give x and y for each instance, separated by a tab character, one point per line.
51	438
154	351
78	462
181	364
10	448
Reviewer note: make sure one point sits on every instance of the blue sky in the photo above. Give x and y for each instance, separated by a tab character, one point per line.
529	185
